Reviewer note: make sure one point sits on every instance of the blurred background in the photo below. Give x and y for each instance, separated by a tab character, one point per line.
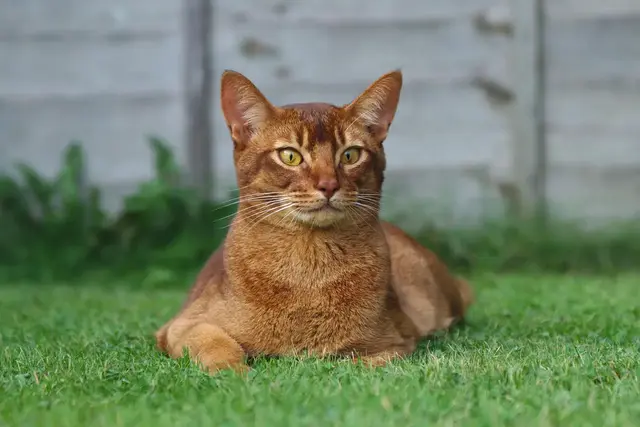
112	140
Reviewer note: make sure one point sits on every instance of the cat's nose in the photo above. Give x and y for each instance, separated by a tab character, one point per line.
328	187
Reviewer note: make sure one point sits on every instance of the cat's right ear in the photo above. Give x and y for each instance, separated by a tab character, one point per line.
244	107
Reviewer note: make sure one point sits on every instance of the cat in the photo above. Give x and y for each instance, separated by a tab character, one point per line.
307	266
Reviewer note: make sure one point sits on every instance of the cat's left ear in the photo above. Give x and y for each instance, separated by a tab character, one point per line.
376	106
245	108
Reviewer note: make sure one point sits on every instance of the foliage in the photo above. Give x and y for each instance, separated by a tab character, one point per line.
58	228
557	246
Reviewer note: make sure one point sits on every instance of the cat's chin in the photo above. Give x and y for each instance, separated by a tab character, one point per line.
323	217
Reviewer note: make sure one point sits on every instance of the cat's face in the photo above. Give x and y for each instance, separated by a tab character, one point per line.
313	164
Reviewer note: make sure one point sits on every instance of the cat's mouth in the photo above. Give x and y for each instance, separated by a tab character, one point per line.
327	207
322	215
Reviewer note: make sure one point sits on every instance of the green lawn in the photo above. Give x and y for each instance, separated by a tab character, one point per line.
536	351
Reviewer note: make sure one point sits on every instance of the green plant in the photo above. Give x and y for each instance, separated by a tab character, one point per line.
57	228
36	211
558	246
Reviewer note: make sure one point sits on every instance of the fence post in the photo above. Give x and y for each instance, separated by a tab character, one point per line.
197	83
528	120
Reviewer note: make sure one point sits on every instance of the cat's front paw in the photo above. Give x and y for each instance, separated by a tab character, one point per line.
208	346
378	360
212	365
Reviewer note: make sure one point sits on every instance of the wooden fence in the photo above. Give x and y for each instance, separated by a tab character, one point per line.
516	105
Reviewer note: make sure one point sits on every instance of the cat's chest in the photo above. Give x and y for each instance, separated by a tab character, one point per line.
320	296
287	320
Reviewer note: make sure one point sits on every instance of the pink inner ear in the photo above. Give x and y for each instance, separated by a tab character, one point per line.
243	105
378	103
233	114
388	109
230	102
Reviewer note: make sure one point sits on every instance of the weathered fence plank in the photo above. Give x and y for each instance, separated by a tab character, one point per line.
198	87
529	148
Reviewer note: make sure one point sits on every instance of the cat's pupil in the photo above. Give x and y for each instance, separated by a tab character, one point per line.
291	157
348	156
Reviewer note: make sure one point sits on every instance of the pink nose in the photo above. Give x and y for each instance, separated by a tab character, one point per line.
328	187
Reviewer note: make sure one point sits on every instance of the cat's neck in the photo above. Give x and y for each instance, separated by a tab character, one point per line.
302	252
245	226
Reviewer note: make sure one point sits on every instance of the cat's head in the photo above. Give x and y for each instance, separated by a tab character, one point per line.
315	164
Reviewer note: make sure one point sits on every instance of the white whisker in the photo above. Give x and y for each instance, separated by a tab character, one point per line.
262	208
250	212
370	209
292	211
271	213
249	208
250	197
292	220
362	218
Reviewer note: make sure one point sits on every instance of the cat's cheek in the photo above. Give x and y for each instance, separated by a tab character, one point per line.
282	177
358	170
367	178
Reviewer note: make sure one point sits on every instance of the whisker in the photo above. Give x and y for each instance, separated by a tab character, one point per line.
369	197
256	195
372	203
254	204
295	211
280	209
251	208
260	209
238	189
249	218
238	202
362	218
252	211
368	214
349	212
250	197
369	203
285	217
367	207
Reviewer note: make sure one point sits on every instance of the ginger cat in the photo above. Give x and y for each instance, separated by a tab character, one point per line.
307	264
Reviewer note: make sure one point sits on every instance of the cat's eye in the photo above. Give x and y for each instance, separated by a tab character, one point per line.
290	157
350	156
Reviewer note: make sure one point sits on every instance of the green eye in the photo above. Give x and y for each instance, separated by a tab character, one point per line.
350	156
290	157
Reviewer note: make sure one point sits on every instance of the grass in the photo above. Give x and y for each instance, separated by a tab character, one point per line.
537	351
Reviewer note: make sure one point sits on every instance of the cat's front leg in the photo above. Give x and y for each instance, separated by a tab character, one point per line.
207	344
380	359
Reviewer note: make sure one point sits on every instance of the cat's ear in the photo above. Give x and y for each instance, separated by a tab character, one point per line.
244	107
377	105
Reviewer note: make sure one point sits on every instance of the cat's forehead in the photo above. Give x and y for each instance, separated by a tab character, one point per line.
312	109
315	123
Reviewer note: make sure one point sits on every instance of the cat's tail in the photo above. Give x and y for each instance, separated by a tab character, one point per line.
466	293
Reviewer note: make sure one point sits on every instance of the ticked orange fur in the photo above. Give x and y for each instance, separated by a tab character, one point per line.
307	265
